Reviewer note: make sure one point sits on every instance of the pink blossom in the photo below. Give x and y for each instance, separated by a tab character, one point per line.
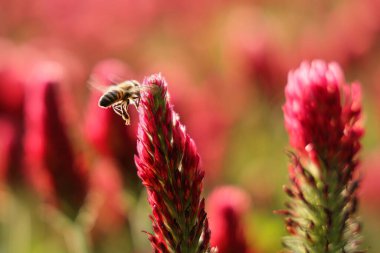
322	112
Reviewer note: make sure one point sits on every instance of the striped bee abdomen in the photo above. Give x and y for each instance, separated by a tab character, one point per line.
110	97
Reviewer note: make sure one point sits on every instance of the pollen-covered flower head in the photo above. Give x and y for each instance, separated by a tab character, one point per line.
322	112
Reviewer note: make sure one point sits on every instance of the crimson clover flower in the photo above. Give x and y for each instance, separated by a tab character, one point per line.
169	167
322	116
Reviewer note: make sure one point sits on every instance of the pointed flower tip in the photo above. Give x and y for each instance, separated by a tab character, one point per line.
155	79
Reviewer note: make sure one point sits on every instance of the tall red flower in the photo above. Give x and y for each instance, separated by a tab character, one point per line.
322	117
50	156
169	167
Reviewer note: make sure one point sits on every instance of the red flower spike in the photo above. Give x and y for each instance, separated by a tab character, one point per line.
322	116
48	149
168	165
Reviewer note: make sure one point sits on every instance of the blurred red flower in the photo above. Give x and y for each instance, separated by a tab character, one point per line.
52	165
226	207
106	199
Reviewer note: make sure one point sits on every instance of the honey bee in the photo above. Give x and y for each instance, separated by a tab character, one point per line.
120	96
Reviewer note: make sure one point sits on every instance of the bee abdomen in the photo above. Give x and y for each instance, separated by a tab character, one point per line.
109	98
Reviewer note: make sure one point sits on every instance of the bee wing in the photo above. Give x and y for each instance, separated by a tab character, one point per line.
115	79
93	84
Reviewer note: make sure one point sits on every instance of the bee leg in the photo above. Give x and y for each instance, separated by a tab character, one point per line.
125	114
118	109
121	110
136	101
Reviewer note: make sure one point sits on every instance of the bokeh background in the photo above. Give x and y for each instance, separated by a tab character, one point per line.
68	179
